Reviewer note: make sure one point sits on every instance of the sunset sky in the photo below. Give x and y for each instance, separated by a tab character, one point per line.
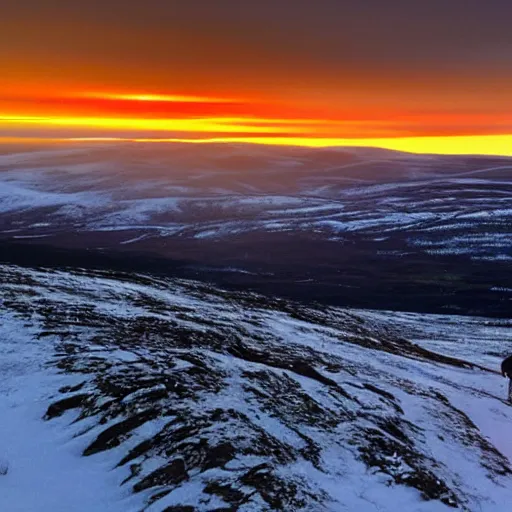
429	76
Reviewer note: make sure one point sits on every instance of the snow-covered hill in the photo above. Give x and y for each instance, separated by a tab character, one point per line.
340	225
441	205
167	394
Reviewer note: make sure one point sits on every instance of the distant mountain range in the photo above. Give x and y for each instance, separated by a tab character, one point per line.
363	227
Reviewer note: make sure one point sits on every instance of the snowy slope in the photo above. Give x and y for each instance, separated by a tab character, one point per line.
42	468
173	395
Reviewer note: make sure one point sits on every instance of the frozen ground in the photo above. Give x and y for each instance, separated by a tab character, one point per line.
163	394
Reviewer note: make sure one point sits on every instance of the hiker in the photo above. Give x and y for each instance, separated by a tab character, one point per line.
506	370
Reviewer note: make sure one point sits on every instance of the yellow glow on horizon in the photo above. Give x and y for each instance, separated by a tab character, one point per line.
499	145
99	114
256	130
192	125
236	127
491	145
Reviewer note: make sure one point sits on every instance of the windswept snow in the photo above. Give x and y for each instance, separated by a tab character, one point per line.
41	467
181	394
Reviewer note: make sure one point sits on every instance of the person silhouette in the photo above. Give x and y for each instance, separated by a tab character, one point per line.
506	371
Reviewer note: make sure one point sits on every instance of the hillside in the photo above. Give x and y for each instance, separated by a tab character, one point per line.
164	394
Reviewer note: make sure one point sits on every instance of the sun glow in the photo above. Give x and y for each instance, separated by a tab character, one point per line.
201	125
171	98
473	145
150	117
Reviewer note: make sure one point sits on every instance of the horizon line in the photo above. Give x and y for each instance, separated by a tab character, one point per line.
462	145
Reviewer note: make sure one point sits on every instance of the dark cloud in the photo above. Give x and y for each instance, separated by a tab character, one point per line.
302	45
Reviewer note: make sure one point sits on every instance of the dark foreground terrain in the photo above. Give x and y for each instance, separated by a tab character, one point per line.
360	278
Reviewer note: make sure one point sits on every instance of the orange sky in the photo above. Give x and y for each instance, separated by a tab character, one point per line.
427	78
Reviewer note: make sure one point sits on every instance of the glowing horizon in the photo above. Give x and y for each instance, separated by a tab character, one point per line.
398	73
455	145
151	117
